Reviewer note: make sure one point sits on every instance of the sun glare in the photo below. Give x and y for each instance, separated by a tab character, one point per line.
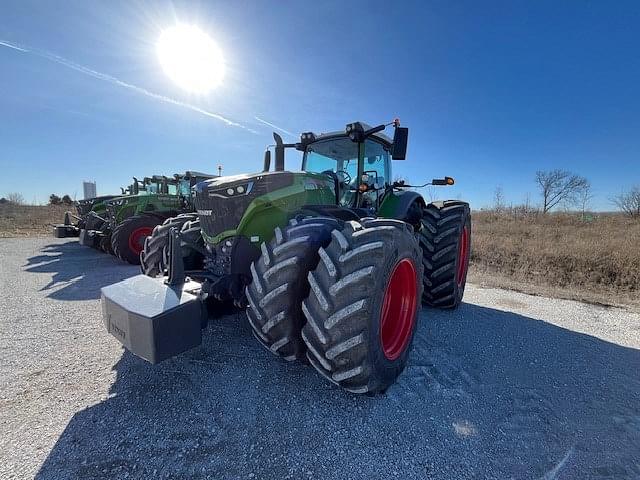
190	58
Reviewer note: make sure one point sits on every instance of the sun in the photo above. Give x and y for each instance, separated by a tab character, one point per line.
190	58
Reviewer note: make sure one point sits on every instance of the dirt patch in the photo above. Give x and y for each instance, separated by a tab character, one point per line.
30	220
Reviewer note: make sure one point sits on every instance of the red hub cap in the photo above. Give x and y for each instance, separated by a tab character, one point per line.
136	239
398	309
463	255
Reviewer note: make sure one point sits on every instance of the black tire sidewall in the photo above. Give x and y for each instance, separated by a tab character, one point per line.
465	221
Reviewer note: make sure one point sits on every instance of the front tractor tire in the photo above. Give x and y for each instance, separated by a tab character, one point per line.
364	304
445	240
129	236
152	257
279	284
105	244
96	224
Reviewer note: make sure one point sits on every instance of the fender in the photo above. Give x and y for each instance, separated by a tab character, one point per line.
405	205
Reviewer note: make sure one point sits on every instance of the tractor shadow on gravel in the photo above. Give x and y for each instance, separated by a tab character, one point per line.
77	272
486	394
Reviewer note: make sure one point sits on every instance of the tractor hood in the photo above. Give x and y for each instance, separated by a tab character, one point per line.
222	202
85	206
231	179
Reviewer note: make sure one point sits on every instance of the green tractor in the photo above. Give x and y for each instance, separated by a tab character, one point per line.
332	263
129	219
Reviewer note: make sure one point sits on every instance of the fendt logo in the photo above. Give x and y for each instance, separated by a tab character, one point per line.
115	330
206	213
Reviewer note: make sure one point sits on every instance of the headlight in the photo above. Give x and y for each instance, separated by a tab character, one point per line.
233	191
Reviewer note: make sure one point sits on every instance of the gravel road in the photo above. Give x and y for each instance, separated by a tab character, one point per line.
507	386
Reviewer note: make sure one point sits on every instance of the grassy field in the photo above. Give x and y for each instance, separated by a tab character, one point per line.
28	220
596	260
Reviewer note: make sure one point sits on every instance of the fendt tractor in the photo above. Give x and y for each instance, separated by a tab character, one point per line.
129	219
331	263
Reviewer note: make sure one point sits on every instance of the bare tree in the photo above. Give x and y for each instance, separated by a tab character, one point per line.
432	193
526	204
585	195
498	199
629	202
558	186
15	198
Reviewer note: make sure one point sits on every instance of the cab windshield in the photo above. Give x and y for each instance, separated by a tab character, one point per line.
337	155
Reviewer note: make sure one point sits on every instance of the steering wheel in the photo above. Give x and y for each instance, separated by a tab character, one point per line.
346	178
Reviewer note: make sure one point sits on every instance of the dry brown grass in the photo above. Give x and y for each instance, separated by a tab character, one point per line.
596	260
28	220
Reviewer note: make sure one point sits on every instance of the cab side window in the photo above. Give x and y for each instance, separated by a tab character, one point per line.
185	188
376	169
376	161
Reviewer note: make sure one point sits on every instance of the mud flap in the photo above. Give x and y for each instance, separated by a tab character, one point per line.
151	319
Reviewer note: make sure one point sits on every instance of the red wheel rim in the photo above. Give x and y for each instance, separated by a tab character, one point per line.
398	309
463	255
136	239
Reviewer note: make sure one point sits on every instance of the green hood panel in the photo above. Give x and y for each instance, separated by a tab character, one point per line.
272	199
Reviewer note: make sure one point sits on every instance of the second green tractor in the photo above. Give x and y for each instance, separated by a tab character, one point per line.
331	263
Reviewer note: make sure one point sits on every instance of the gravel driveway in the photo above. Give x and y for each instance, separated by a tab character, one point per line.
507	386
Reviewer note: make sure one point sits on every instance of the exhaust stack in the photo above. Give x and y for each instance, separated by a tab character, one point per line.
279	167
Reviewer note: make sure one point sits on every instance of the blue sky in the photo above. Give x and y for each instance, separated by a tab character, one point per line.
491	91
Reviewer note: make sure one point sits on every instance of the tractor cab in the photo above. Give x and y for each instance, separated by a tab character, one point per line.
358	160
186	181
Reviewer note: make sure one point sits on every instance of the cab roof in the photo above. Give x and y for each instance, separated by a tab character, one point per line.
342	133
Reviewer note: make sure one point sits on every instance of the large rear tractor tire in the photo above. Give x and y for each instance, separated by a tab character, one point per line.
279	284
363	305
152	257
445	240
128	237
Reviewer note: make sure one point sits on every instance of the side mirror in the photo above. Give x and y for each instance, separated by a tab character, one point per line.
400	138
267	160
443	181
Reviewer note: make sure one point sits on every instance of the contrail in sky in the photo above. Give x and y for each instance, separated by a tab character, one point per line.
12	46
274	126
115	81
